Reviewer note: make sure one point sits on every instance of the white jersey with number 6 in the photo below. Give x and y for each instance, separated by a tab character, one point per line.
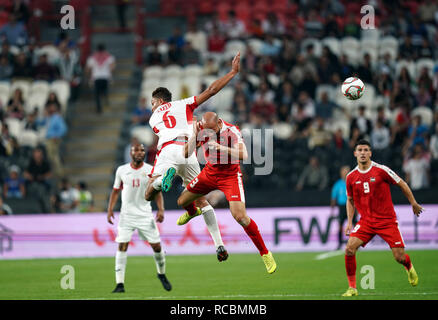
173	119
133	184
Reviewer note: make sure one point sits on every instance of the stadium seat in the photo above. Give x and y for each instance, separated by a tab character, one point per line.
333	44
174	86
163	48
393	52
144	134
39	86
152	72
256	45
224	99
274	80
372	52
317	46
4	92
350	44
282	130
193	70
325	88
62	90
370	33
405	64
150	83
36	100
23	85
226	115
52	52
173	71
424	63
28	138
208	80
235	46
15	126
255	80
425	113
366	43
193	85
389	42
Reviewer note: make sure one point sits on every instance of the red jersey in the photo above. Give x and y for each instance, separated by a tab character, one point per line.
229	136
370	190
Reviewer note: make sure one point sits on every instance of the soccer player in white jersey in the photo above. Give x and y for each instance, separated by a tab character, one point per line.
172	122
136	214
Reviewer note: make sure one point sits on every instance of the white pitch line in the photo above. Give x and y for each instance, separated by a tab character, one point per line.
263	295
329	254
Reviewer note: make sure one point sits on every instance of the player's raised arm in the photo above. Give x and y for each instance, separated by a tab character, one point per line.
190	146
111	203
416	208
216	86
238	151
159	200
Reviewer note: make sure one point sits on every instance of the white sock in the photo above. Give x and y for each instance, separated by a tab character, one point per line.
157	183
121	259
212	226
160	261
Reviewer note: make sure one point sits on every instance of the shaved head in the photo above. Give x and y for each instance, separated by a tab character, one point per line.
211	121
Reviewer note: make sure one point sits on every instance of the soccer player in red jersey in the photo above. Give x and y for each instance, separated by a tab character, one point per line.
223	149
368	190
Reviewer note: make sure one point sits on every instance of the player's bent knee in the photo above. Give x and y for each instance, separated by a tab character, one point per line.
201	203
350	250
123	246
156	247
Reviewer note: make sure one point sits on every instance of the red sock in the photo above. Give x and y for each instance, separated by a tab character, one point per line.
253	232
407	264
350	267
191	209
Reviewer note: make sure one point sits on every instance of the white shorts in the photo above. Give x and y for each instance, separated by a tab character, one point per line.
146	226
172	156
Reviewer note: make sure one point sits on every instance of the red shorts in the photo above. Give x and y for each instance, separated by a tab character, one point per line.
390	233
230	183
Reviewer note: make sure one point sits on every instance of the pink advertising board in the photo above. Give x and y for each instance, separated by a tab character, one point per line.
284	230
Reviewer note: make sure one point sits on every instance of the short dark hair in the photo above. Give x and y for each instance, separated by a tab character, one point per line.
101	47
162	93
362	142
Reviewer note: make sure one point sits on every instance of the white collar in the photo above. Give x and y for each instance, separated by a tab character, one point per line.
367	170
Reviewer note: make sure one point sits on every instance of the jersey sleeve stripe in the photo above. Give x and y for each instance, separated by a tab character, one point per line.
390	173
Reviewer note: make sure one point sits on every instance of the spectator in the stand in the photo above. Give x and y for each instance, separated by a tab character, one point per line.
6	51
426	50
68	197
211	67
285	95
301	68
37	177
173	54
355	136
44	70
272	25
381	116
338	142
319	136
99	70
417	132
6	68
56	129
325	70
190	55
303	110
16	105
424	79
407	50
380	136
14	185
240	108
417	31
331	27
423	97
52	98
405	81
153	56
434	144
216	41
4	208
70	69
264	107
384	82
64	40
264	93
325	107
427	11
141	114
31	122
22	67
255	28
250	60
215	23
177	39
345	68
197	38
365	70
400	125
314	176
21	11
417	169
14	32
313	25
270	47
5	141
234	28
362	122
351	27
85	198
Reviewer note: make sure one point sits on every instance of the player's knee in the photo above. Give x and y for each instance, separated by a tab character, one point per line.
201	203
156	247
350	250
400	258
181	202
123	246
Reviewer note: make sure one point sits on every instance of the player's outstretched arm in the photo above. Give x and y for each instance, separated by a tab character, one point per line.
416	208
159	200
111	203
190	146
216	86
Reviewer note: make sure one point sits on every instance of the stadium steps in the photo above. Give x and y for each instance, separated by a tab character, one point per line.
93	145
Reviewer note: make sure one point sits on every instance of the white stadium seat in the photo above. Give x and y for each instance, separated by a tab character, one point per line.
409	65
223	100
173	71
23	85
52	52
236	46
349	44
366	43
62	90
28	138
317	46
15	126
256	45
425	113
154	72
333	44
193	70
325	88
393	52
208	80
370	33
144	134
36	100
193	84
40	87
424	63
4	92
389	42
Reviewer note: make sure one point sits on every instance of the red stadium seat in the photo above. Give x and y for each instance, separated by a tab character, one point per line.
243	11
222	9
44	5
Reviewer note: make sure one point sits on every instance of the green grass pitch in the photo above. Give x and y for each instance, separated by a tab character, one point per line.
241	277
